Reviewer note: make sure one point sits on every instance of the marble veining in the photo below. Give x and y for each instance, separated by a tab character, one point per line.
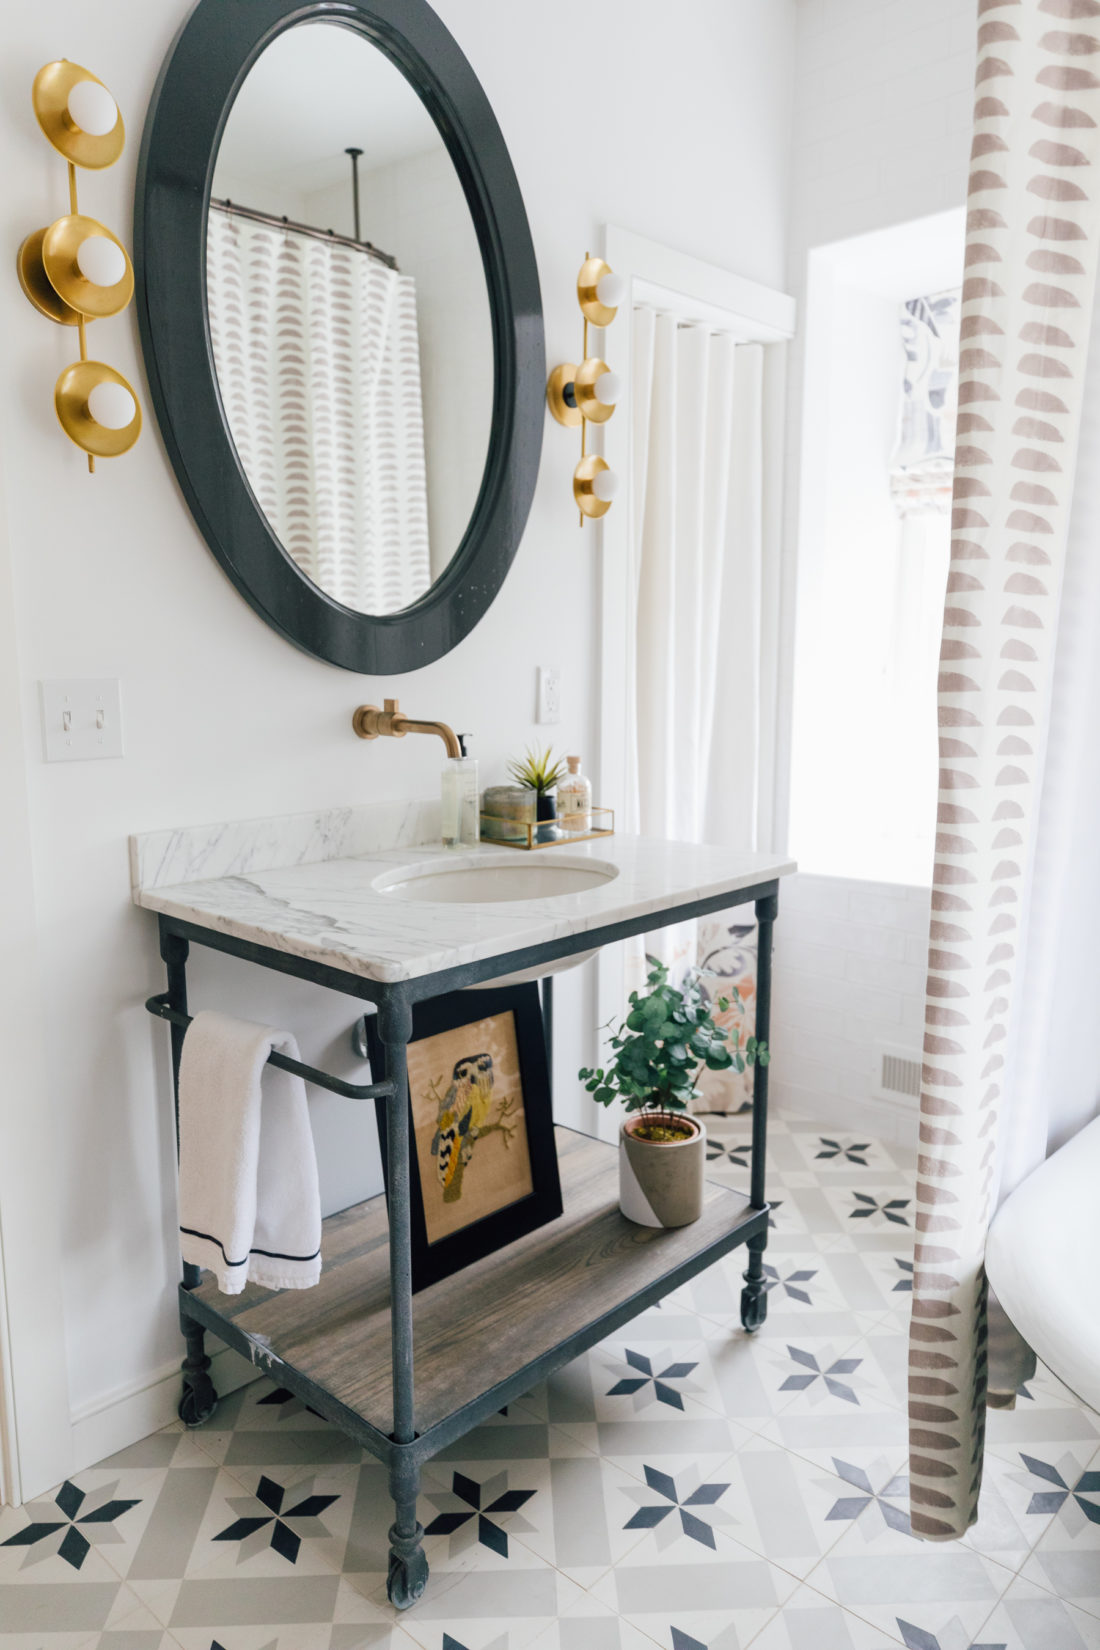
163	858
316	897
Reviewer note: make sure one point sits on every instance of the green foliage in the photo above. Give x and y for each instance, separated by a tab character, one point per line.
666	1040
538	771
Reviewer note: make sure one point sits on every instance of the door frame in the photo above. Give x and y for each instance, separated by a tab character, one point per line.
35	1421
698	292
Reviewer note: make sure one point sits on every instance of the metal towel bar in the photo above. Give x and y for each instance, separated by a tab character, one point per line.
350	1091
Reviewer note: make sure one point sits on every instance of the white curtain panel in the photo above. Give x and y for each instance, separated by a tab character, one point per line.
696	474
1012	646
318	364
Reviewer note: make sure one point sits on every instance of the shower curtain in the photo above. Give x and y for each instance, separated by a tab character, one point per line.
1017	752
697	471
318	364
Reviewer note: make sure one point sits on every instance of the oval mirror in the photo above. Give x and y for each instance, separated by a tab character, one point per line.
341	319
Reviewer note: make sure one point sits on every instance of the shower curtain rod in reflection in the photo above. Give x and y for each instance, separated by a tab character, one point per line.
276	222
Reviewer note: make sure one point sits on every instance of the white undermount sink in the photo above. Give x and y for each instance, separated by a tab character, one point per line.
490	878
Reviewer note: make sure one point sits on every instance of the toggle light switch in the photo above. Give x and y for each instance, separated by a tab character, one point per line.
81	719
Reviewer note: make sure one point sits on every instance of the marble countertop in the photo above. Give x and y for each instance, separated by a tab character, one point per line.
305	885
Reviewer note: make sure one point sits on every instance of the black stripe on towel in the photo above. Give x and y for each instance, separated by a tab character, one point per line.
270	1254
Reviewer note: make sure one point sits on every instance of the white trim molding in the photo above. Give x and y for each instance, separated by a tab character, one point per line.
109	1424
35	1432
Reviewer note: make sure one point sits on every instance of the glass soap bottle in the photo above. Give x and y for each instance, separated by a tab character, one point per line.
574	799
461	814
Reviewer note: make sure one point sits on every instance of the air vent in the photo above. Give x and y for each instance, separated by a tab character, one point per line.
899	1078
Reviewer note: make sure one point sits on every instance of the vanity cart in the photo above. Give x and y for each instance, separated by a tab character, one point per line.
405	1376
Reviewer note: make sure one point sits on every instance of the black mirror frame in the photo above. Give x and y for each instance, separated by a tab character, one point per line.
200	77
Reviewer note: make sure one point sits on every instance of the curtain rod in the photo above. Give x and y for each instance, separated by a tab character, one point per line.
305	229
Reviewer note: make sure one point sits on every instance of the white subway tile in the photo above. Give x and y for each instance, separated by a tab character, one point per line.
904	978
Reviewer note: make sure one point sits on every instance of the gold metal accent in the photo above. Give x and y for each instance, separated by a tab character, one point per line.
32	278
50	96
532	827
555	395
585	390
391	723
70	399
591	274
583	477
60	244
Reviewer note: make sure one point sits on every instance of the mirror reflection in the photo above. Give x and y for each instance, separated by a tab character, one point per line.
349	318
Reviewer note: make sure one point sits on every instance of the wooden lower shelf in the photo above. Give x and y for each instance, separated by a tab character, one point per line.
559	1288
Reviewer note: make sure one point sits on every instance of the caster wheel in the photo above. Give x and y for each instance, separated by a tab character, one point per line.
198	1402
407	1580
754	1308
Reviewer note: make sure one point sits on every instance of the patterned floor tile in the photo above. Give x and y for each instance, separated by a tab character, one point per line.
1030	1618
1066	1559
876	1444
263	1425
356	1624
785	1508
496	1513
1047	1414
590	1625
685	1604
507	1609
879	1571
809	1621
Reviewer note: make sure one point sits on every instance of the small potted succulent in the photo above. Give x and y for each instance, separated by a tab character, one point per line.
539	772
667	1038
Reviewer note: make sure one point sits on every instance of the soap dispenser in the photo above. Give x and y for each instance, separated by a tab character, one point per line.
461	814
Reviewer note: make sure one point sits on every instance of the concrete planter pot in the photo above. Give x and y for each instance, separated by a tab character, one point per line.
661	1182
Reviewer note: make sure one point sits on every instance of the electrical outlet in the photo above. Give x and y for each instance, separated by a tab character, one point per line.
81	720
549	693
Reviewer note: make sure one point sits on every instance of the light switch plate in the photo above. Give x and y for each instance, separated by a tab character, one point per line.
81	720
549	693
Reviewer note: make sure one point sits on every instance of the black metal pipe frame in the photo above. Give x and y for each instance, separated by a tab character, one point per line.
405	1450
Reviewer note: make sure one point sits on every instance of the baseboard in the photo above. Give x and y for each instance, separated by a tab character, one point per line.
107	1425
881	1119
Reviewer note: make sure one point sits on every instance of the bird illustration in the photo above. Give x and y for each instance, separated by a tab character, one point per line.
463	1114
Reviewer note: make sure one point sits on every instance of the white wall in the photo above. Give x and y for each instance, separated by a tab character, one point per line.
222	718
883	103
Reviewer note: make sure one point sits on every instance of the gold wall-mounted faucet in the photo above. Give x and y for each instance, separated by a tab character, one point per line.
391	723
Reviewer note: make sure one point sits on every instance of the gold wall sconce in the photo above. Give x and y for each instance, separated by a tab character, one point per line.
75	270
589	393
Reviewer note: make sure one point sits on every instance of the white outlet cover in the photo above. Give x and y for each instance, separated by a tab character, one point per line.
81	719
549	694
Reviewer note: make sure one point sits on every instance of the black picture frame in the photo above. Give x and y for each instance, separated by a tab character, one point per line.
212	54
433	1261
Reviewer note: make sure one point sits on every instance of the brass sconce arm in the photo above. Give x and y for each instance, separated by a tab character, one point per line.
391	723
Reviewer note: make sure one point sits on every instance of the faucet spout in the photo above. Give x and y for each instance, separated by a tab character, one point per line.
391	723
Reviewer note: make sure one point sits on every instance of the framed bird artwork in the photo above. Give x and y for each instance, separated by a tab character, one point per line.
481	1126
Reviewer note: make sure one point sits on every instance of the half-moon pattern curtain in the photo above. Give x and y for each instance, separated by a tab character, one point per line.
318	364
1031	253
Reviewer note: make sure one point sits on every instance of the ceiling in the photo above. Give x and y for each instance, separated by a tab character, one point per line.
316	90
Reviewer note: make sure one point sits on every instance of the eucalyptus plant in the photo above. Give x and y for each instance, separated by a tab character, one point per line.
668	1037
537	771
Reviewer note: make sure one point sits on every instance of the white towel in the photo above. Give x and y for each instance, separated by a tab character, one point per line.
250	1203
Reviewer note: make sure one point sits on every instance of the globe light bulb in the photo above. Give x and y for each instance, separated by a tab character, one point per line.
611	289
605	485
608	388
92	108
100	260
111	405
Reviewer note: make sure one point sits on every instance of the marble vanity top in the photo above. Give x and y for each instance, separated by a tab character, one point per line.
304	884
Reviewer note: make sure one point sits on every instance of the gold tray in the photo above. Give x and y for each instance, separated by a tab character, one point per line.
603	824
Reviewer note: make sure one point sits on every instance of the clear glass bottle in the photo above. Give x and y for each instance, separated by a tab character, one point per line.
461	813
574	799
